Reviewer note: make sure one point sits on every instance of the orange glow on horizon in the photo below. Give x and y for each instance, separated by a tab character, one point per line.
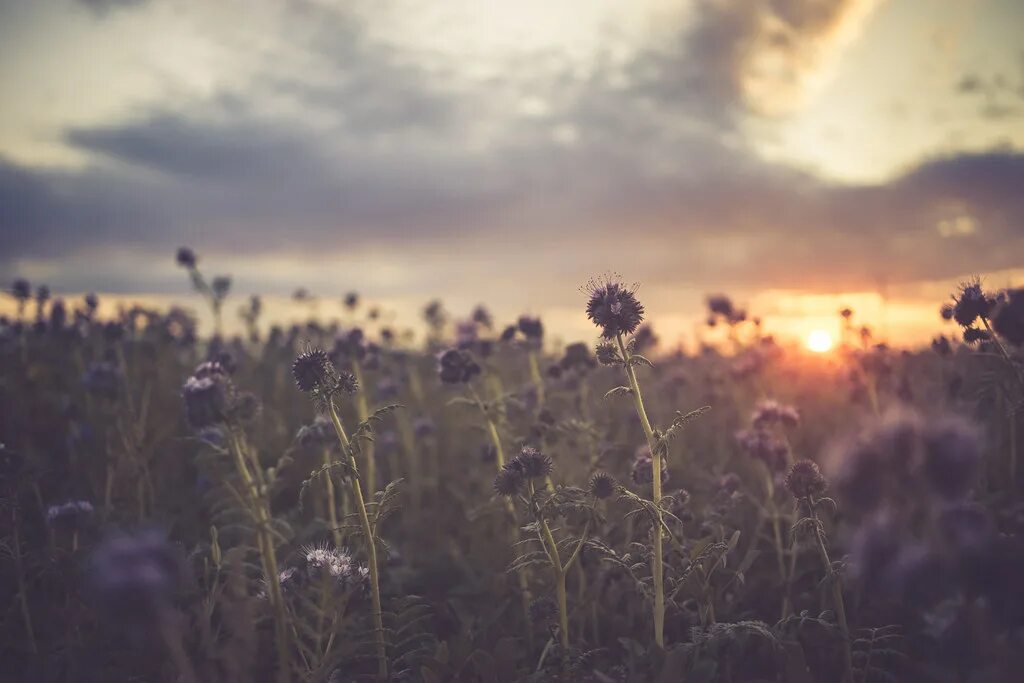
819	341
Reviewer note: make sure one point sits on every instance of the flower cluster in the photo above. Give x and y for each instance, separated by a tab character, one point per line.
529	464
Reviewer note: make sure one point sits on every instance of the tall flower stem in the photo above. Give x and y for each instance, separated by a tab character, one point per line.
492	430
265	541
537	378
371	543
657	560
332	504
836	585
363	412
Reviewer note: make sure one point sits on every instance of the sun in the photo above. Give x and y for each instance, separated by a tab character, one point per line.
819	341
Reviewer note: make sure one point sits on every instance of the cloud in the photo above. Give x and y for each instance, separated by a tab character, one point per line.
333	146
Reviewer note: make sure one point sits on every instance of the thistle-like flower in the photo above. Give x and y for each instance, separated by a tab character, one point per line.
805	479
603	485
971	303
531	463
315	374
613	307
508	482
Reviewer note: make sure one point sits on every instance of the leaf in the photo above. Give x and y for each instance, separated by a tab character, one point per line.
618	391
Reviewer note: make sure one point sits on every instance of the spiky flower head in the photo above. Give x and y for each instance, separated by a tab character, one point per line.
805	479
315	374
608	354
187	258
603	485
508	482
532	464
613	307
973	335
971	303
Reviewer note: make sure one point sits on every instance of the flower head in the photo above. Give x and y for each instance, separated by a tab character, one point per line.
607	354
603	485
531	463
1008	320
508	482
187	258
455	366
532	328
971	303
805	479
613	307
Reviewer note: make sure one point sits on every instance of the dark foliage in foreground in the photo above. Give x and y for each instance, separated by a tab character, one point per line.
326	503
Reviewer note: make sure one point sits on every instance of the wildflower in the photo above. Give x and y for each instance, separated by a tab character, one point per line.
532	464
220	286
614	308
134	577
971	303
608	354
71	515
21	290
532	328
351	300
729	483
643	468
42	294
603	485
206	400
804	479
762	445
973	335
770	412
508	334
577	357
319	434
1008	320
720	305
313	371
482	317
508	482
941	345
423	427
456	367
92	302
187	258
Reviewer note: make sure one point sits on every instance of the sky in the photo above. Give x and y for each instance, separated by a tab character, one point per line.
800	155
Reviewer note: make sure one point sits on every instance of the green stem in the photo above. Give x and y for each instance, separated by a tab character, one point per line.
558	572
363	411
371	544
332	505
837	588
657	561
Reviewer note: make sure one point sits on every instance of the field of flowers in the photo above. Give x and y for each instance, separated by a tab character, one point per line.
332	502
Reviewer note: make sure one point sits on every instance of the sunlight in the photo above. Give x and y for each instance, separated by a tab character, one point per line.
819	341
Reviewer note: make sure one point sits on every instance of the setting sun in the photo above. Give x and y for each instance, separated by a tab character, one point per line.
819	341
